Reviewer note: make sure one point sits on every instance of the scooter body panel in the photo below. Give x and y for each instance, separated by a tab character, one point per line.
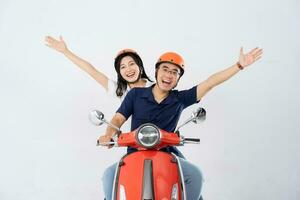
148	174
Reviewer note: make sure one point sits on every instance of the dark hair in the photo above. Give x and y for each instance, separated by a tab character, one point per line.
122	83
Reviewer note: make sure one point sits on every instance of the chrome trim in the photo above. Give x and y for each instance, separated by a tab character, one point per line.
115	183
148	190
174	194
181	177
122	193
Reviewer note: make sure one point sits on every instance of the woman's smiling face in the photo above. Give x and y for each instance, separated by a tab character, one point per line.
129	70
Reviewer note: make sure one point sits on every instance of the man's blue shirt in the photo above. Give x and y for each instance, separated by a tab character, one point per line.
140	103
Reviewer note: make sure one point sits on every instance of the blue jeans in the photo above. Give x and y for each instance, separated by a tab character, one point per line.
192	178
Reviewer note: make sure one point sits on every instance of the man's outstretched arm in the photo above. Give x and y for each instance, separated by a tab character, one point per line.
244	61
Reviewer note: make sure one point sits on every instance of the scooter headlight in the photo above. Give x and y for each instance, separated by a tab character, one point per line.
148	135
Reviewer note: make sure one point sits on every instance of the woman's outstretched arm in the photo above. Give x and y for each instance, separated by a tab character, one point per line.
60	46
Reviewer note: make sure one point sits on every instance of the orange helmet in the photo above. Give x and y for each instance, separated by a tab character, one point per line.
125	51
173	58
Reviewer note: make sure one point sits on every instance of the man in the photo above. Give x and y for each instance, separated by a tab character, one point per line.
162	106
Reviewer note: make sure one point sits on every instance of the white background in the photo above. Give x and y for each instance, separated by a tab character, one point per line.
249	142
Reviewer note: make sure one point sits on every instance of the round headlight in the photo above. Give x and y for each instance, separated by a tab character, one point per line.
148	135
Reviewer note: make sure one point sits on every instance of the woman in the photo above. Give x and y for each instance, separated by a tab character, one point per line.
128	65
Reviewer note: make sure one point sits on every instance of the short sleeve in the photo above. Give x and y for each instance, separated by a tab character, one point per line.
111	88
188	97
126	108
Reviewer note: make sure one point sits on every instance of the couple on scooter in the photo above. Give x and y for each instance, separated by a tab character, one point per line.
162	106
158	104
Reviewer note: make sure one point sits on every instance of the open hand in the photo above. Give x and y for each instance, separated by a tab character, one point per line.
249	58
58	45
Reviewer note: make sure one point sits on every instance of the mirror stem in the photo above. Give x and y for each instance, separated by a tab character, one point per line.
186	122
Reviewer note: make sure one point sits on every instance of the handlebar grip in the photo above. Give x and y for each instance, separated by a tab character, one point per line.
192	139
111	143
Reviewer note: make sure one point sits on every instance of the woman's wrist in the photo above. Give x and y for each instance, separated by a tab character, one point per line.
65	51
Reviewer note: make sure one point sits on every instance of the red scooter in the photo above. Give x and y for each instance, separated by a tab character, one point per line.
149	173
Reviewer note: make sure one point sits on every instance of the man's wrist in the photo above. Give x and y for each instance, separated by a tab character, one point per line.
239	65
110	134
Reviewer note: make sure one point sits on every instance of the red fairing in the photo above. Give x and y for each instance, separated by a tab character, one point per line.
165	174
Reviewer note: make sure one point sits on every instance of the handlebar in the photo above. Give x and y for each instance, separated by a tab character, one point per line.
191	140
105	143
114	141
